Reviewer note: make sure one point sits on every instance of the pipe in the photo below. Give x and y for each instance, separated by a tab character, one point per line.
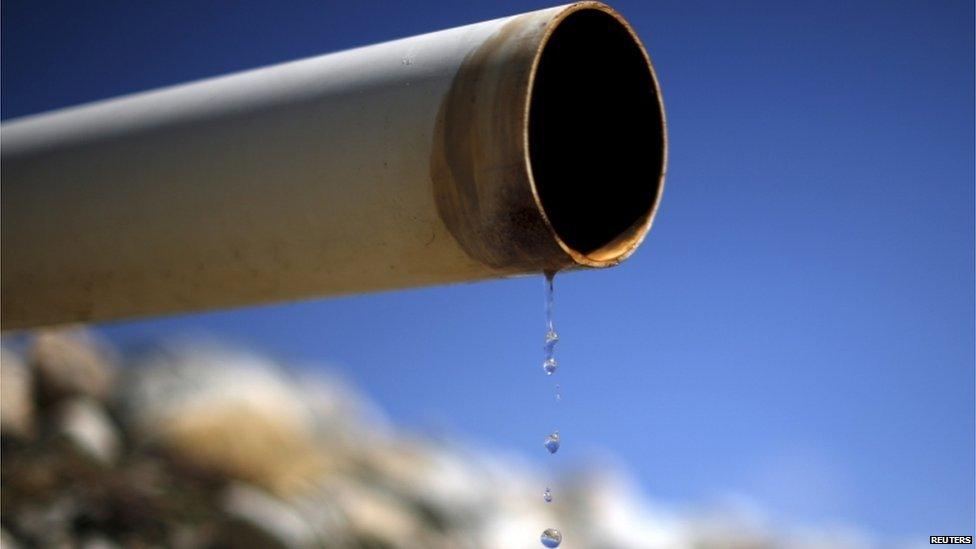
525	144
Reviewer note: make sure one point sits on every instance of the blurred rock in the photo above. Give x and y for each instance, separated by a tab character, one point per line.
97	542
48	524
86	425
72	362
373	514
7	541
227	413
221	448
255	518
340	415
16	396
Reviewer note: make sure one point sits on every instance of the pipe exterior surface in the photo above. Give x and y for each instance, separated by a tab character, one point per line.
390	166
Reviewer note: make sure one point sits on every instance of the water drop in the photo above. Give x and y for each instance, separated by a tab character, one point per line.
549	364
552	442
559	392
552	338
550	298
547	495
551	538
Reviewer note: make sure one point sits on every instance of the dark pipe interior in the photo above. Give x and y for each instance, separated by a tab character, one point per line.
596	137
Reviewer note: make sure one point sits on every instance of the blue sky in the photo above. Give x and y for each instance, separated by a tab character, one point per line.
798	327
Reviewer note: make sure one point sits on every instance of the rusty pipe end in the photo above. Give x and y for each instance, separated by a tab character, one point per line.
551	146
596	136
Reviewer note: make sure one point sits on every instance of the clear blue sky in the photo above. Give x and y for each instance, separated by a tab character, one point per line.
799	325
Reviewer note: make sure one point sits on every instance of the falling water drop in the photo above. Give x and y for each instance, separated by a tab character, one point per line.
551	538
549	363
547	495
552	442
559	392
552	338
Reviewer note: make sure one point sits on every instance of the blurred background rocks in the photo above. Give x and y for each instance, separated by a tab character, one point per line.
197	445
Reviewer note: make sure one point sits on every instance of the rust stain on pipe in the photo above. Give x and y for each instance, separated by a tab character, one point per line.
478	168
481	164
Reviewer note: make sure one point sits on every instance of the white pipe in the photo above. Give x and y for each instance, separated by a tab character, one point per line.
425	160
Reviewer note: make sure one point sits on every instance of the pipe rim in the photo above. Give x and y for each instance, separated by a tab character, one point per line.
624	244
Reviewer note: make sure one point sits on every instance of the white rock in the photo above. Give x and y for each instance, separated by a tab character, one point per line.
278	522
84	422
374	513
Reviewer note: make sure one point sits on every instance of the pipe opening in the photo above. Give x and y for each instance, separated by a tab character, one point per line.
596	136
